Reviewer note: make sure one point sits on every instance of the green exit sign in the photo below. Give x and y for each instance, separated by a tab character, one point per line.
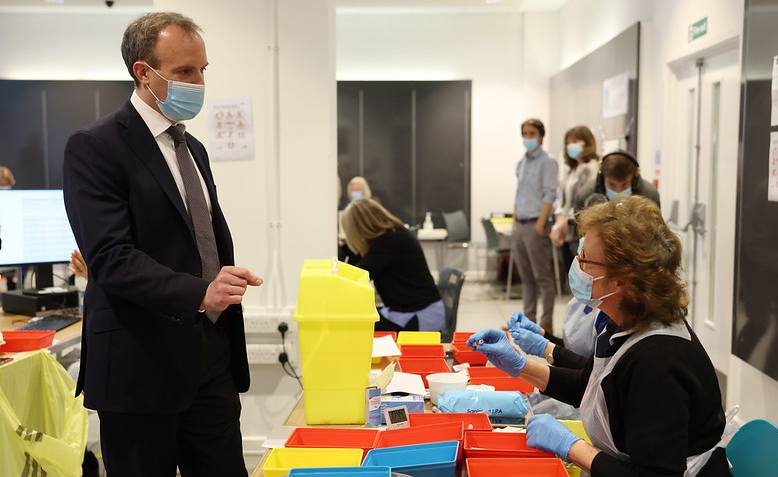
698	29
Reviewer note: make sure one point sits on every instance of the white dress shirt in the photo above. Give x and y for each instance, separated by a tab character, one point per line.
158	125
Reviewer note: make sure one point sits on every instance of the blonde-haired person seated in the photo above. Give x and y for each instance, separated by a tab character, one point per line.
397	267
649	397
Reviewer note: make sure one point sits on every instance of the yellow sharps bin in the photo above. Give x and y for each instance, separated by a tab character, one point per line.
335	315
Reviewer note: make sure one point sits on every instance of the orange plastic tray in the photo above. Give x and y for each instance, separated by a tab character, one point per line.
17	341
477	421
525	467
423	367
486	372
483	444
423	351
505	384
379	334
317	437
463	354
445	431
462	336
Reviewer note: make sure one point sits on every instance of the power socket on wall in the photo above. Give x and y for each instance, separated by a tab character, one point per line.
266	321
264	353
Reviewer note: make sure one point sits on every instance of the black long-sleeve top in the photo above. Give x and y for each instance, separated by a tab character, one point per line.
663	402
399	271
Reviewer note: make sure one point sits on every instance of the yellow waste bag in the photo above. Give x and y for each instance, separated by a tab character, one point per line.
43	427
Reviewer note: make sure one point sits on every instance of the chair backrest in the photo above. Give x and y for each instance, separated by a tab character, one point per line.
450	286
456	226
751	451
492	240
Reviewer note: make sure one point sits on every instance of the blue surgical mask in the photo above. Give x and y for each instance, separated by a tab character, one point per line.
356	195
612	194
574	150
581	285
184	100
531	144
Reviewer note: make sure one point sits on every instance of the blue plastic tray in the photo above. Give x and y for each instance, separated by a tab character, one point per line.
438	459
342	472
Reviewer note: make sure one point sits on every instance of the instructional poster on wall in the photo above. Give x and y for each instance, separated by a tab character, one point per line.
615	96
772	183
230	130
774	106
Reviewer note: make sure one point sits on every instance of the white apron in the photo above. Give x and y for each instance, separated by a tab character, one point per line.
594	410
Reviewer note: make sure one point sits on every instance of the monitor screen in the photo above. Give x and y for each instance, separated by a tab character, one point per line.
34	228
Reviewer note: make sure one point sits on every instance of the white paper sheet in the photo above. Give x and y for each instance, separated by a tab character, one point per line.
774	108
406	383
385	346
615	96
772	181
230	130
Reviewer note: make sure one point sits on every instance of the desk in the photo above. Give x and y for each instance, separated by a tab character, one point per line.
436	236
63	339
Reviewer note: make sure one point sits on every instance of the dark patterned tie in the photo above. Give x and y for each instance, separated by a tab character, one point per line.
198	209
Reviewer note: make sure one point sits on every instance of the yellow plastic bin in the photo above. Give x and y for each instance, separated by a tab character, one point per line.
280	461
418	337
577	428
335	314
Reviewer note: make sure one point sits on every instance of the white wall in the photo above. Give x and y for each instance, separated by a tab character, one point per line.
510	81
587	24
51	46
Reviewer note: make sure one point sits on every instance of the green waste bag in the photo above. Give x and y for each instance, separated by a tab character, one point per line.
43	427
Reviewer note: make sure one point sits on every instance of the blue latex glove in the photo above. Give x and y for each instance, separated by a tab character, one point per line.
520	320
544	432
529	342
498	350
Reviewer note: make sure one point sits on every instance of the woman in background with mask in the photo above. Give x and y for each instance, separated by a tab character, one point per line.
397	268
649	398
358	188
582	163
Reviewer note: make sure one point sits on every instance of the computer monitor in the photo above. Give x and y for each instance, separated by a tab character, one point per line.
34	230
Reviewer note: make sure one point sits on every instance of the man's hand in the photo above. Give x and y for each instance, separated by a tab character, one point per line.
540	227
228	288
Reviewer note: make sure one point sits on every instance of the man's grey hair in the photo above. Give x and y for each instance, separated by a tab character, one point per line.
141	36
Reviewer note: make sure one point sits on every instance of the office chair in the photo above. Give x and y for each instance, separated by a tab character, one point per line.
458	231
450	284
751	451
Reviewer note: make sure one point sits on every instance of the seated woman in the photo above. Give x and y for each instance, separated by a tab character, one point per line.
649	397
397	267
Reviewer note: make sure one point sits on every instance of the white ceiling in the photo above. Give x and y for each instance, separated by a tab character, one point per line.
62	5
410	6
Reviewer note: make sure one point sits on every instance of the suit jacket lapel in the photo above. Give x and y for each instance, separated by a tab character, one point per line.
139	138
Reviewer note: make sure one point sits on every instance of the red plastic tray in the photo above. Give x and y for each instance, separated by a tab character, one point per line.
317	437
477	421
526	467
445	431
423	367
505	384
463	354
483	444
17	341
423	351
486	372
462	336
379	334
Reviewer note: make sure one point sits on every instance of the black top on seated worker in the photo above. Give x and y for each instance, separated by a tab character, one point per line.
649	396
397	267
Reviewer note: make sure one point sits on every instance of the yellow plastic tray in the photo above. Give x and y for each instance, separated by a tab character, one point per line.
418	337
577	428
280	461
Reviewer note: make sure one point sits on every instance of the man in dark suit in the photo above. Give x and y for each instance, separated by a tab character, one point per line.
163	346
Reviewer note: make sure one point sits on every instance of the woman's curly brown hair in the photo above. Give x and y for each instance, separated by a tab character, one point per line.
642	252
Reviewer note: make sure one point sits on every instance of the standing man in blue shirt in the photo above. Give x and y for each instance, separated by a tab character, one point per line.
538	180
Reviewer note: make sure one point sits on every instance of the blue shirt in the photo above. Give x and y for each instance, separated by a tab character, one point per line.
538	180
